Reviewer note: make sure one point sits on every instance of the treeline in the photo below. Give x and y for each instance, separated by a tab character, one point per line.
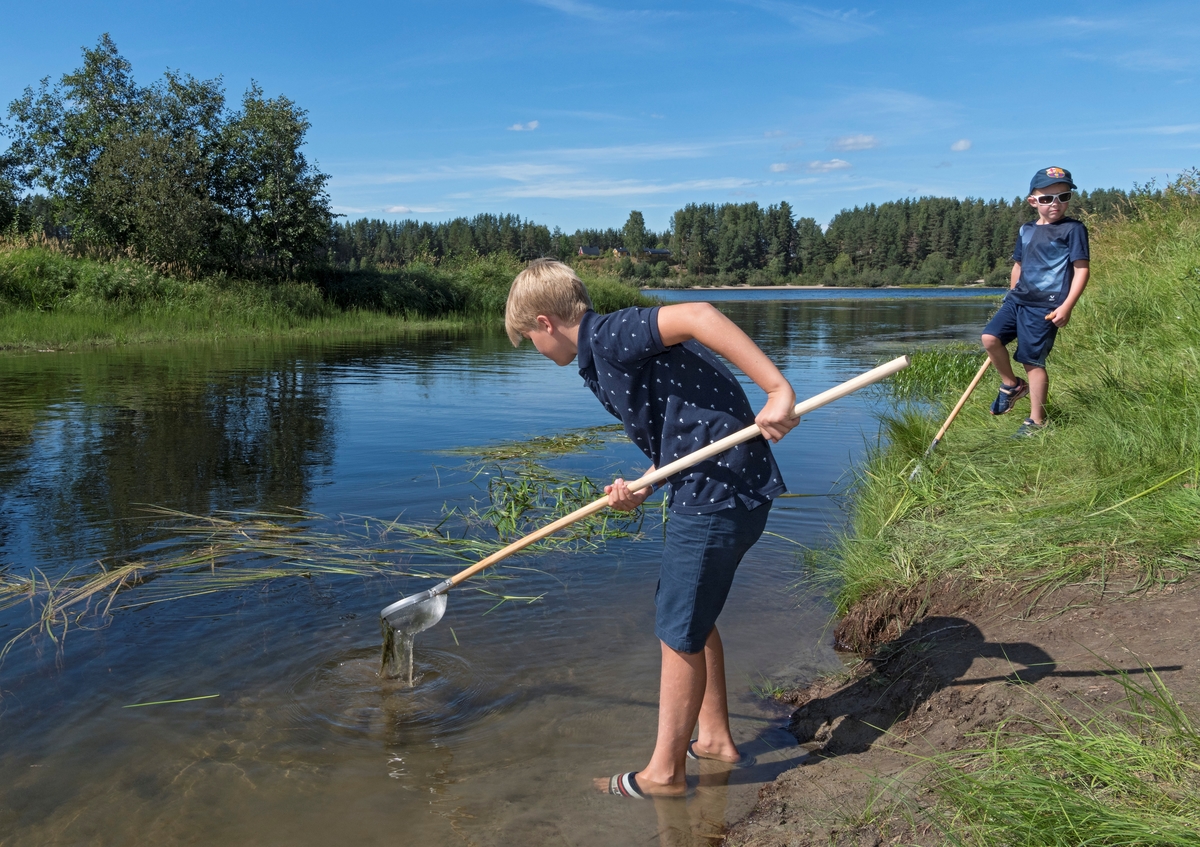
927	241
167	173
370	242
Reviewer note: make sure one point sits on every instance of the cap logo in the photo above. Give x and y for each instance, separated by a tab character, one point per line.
1057	173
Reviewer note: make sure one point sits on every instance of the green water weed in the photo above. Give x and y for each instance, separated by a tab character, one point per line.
232	551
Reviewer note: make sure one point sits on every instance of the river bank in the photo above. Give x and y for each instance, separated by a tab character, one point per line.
51	299
1071	550
975	678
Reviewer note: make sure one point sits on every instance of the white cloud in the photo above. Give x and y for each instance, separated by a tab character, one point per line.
1177	129
576	9
600	14
1151	60
519	127
854	142
569	189
774	133
832	26
780	167
962	145
413	210
826	167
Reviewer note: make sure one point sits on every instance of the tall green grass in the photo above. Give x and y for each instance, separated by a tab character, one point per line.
1111	485
1125	778
50	298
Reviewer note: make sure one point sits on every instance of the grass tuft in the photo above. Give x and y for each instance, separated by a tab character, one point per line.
1123	779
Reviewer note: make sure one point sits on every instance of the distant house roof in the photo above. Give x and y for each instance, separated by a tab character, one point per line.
657	251
589	251
620	251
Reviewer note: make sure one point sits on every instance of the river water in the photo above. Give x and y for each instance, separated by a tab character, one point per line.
517	708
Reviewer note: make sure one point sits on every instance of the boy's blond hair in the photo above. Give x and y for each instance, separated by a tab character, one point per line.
545	287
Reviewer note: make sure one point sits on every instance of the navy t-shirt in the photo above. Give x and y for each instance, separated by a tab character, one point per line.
673	401
1046	253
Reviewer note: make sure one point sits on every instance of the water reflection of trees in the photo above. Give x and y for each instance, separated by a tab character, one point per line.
97	436
785	328
88	439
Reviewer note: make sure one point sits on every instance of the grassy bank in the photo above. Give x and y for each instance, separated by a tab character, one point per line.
1110	489
51	299
1110	486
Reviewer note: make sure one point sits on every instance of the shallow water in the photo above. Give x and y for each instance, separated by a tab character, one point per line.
514	708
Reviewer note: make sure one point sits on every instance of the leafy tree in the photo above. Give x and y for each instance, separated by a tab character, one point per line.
9	197
635	234
166	171
277	201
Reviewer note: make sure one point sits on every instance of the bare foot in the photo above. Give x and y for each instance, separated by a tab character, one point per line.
635	785
729	755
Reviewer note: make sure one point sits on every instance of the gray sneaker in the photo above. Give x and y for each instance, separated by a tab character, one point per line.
1028	428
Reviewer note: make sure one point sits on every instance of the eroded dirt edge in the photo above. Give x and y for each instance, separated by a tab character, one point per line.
968	661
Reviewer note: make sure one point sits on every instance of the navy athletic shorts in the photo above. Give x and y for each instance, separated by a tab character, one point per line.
701	554
1035	335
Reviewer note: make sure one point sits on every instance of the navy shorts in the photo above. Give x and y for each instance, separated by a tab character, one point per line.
701	554
1035	335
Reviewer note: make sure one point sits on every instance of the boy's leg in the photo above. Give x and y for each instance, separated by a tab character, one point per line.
682	683
1039	387
700	558
714	739
1035	340
682	688
691	688
998	353
1001	330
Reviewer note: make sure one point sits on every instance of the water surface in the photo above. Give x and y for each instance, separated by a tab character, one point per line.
724	295
516	708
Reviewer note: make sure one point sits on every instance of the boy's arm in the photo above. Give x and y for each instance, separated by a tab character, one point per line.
1015	276
1079	281
682	322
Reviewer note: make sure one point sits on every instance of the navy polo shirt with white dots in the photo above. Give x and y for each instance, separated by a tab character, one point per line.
674	401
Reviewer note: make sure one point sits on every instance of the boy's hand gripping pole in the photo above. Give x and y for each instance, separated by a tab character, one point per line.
403	612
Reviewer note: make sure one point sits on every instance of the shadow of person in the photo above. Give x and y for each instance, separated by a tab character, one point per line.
904	673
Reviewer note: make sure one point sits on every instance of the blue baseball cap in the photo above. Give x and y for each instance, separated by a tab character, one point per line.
1050	176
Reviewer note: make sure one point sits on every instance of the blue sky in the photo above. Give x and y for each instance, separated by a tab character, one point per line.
572	113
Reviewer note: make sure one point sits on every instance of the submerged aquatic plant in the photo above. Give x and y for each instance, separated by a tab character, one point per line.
229	551
541	447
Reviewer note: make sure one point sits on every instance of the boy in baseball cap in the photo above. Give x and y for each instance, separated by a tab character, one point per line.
1050	272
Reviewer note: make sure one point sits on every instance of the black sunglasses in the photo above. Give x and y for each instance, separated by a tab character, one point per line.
1047	199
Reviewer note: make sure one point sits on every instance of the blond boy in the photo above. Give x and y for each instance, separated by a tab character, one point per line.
655	370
